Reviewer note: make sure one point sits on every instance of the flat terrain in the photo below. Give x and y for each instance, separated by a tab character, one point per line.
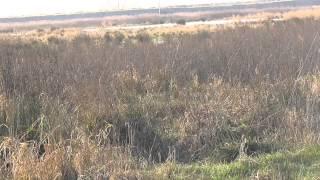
150	16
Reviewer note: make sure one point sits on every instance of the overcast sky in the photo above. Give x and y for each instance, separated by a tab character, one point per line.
10	8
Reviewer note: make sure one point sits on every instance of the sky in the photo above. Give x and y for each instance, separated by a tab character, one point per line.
14	8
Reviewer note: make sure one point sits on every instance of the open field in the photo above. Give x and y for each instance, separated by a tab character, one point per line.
169	15
157	31
236	102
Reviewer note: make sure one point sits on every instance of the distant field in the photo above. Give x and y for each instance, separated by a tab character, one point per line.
157	30
149	16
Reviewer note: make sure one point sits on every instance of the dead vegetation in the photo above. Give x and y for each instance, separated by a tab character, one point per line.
111	107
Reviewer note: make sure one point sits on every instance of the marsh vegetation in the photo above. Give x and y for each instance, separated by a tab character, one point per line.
223	104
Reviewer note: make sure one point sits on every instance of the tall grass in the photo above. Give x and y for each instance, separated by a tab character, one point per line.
109	107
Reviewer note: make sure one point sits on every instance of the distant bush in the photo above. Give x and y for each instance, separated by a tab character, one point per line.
9	30
143	37
181	22
40	30
108	37
54	28
119	37
203	19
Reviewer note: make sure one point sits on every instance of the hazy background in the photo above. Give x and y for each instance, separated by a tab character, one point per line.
12	8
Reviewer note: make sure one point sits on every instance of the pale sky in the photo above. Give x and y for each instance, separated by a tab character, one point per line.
12	8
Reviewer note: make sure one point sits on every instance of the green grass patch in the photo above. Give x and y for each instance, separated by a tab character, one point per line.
302	164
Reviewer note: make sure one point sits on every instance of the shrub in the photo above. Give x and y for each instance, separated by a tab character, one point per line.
143	37
181	22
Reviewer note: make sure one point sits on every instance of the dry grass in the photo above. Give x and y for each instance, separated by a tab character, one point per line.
303	13
112	106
